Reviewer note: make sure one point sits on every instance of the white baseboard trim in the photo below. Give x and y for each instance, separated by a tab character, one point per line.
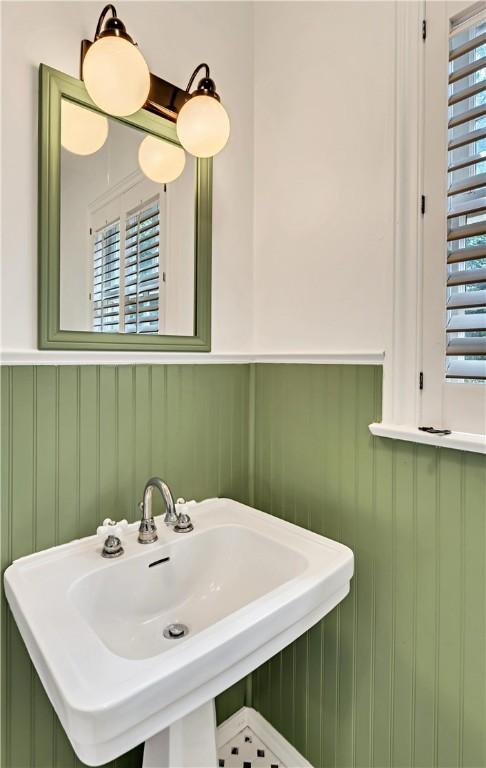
40	357
247	716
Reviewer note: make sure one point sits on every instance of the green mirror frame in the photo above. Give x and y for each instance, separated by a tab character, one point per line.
53	86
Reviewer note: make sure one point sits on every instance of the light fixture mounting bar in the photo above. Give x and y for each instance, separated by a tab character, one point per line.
165	99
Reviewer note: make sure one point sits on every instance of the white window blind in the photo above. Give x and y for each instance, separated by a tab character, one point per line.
106	279
142	275
466	231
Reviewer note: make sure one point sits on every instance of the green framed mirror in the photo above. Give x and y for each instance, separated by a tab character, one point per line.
124	258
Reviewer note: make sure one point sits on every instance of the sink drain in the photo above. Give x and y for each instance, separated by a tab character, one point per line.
176	631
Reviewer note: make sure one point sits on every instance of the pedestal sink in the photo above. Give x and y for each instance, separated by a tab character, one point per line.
243	585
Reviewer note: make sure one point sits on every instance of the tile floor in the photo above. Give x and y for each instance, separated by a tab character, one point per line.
245	750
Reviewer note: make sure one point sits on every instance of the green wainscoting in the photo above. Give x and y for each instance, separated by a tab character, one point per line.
396	676
78	444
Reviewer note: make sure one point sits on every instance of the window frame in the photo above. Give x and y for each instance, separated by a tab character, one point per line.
405	408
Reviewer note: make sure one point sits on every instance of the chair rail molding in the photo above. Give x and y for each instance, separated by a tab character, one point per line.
41	357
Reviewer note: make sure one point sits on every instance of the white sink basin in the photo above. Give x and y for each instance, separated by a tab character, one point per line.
244	583
210	575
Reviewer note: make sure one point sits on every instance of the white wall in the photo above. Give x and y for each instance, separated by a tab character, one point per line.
174	37
324	106
303	193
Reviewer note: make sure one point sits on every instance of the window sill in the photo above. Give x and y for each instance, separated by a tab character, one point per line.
462	441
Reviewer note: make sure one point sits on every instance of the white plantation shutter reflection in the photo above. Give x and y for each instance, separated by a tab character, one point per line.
142	274
106	279
466	231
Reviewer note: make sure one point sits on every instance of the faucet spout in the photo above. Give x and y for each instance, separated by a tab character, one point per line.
163	488
147	532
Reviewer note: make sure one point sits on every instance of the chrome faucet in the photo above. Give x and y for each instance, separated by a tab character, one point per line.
147	532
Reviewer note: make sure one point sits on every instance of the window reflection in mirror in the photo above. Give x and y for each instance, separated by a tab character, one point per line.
127	242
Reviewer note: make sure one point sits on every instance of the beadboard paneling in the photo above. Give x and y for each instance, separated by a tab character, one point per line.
396	675
78	444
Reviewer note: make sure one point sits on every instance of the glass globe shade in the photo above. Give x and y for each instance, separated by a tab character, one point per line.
116	76
203	126
161	161
82	130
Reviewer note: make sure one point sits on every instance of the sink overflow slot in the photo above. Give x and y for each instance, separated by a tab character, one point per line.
158	562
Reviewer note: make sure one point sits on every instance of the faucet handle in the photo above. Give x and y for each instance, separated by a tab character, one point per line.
111	528
111	534
184	524
112	547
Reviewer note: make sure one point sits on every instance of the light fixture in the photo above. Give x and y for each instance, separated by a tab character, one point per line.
83	131
160	160
115	73
203	125
119	82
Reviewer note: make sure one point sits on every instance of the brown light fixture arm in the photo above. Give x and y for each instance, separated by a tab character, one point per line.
103	14
164	99
193	76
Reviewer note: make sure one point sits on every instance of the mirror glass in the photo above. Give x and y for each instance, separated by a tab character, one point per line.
127	260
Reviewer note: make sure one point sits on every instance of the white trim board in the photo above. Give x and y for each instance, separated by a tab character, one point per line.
37	357
462	441
400	376
249	717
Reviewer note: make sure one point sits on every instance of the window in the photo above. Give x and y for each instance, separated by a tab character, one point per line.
466	254
453	351
435	354
106	278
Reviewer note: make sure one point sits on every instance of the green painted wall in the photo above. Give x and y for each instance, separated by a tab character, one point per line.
78	444
396	676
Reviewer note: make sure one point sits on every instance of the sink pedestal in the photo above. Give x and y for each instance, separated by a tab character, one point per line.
188	743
